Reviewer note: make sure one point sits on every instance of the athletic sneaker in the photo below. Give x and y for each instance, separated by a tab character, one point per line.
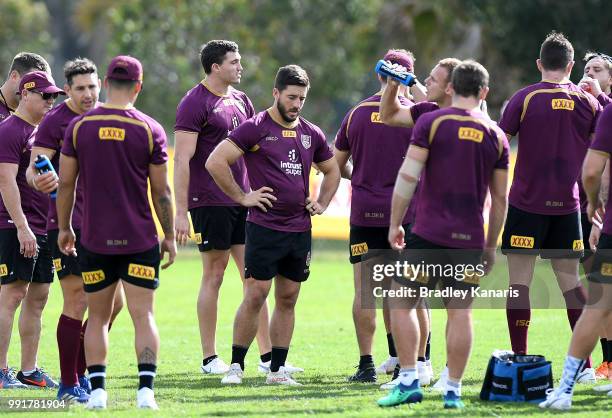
452	400
233	375
72	394
557	399
387	366
402	394
603	388
440	385
423	371
264	367
8	380
601	372
281	377
38	379
145	399
586	376
85	383
97	399
365	374
394	380
216	366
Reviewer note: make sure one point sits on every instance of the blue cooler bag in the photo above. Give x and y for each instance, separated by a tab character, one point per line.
516	378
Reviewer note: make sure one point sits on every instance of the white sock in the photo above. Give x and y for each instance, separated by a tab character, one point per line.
453	386
29	372
571	369
408	375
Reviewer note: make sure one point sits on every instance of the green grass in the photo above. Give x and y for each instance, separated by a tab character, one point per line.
323	343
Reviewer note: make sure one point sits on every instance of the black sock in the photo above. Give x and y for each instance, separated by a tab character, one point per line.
97	376
428	346
391	345
209	359
604	349
609	350
366	360
266	357
146	374
238	354
421	359
279	356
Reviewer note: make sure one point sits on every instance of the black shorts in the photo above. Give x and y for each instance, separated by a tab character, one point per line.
444	265
365	238
218	227
602	264
586	232
65	265
550	236
102	270
269	252
14	266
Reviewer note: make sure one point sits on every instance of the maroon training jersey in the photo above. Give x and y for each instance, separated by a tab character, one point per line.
16	138
50	135
465	147
553	122
212	117
280	157
603	144
114	147
378	151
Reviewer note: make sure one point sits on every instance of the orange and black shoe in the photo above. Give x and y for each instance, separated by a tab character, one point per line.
37	379
601	372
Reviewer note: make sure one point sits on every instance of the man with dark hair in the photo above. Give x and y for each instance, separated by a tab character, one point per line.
359	137
394	113
26	269
116	151
279	148
205	116
23	63
447	230
83	88
554	120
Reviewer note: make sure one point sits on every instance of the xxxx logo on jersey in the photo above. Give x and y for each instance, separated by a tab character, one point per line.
142	272
359	249
93	277
521	242
3	270
562	104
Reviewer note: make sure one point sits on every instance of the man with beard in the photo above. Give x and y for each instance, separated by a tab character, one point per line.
279	148
204	118
83	88
26	269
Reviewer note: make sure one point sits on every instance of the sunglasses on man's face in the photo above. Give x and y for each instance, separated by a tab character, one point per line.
46	96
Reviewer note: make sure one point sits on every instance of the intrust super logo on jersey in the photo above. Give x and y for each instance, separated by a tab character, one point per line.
111	134
471	134
142	272
562	104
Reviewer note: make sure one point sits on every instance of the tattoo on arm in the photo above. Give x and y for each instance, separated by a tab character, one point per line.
164	214
147	356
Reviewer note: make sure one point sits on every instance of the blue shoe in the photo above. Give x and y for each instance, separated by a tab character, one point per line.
38	379
72	394
452	400
85	384
402	394
8	380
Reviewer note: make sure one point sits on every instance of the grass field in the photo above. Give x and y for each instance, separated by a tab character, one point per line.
324	344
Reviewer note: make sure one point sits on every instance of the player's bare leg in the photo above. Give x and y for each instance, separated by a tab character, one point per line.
30	323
